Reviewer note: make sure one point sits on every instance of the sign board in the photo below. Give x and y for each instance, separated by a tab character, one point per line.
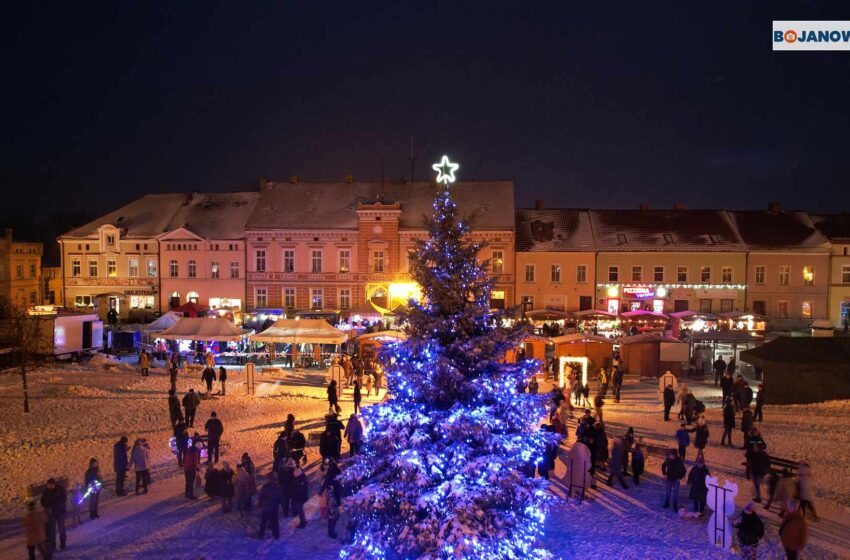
667	379
337	374
640	292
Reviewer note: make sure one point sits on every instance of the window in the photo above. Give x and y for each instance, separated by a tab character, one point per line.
133	267
316	260
377	261
289	298
808	276
260	260
262	297
32	271
637	274
289	260
76	268
497	264
705	274
32	298
83	301
581	274
527	303
681	274
845	274
110	240
173	269
806	310
726	275
19	271
784	274
92	269
192	269
705	306
556	273
613	274
151	268
497	299
621	238
344	260
214	273
234	269
726	305
345	298
529	273
141	302
317	298
760	307
782	309
111	268
759	274
658	274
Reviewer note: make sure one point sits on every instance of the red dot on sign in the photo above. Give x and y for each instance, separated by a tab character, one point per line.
790	36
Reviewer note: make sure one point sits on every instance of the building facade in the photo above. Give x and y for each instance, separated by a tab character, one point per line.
20	272
836	228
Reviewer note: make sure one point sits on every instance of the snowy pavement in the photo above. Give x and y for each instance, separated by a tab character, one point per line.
79	412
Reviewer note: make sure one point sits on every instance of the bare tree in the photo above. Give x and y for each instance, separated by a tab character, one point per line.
28	336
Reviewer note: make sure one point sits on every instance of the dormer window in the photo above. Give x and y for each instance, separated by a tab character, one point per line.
621	238
668	238
110	240
713	238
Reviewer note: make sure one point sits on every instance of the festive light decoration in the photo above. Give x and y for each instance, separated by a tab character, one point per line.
581	361
93	488
445	171
447	469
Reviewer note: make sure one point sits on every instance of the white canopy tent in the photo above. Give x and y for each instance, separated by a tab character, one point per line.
301	331
203	329
165	322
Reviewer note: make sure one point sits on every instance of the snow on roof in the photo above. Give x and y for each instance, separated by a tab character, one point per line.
555	229
308	205
779	230
203	328
836	227
664	230
301	331
148	216
216	215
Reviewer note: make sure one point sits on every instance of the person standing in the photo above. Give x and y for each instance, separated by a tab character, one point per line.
804	489
357	395
719	369
728	422
35	522
333	398
683	440
700	436
793	531
269	502
699	490
533	385
354	434
730	367
746	424
140	460
191	466
345	364
214	429
673	469
379	379
637	463
300	494
616	463
726	384
144	363
222	378
226	487
172	371
208	377
181	440
598	403
669	401
54	500
757	415
119	464
750	532
174	411
332	509
190	405
93	484
241	491
617	382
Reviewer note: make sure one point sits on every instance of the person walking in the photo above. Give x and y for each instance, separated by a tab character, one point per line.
191	467
208	377
190	405
300	494
804	490
333	398
719	369
669	401
598	403
144	363
140	461
119	464
673	469
174	411
241	491
225	479
746	425
637	463
54	500
173	367
379	379
683	440
759	463
269	502
222	378
354	434
699	490
214	429
328	445
750	532
701	434
793	531
93	484
357	395
728	423
616	463
35	534
757	415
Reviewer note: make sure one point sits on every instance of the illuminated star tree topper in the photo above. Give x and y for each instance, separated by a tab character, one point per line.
445	171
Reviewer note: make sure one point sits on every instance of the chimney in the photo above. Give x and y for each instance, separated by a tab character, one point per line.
643	206
679	207
293	179
774	207
264	184
538	204
349	178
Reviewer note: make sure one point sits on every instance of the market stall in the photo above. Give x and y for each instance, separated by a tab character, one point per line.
201	334
651	354
643	321
190	309
368	345
706	347
687	322
596	321
585	351
550	322
533	347
743	321
304	337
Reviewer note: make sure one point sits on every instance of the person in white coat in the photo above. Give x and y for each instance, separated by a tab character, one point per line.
140	461
804	489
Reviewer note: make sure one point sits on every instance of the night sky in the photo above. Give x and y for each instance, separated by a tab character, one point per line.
581	104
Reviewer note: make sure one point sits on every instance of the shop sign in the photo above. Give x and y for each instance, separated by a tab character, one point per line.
640	292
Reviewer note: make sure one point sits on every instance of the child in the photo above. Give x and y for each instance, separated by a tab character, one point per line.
683	439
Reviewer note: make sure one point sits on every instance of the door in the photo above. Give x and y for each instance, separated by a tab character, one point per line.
87	335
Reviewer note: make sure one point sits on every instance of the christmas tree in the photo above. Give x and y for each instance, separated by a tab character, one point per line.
445	469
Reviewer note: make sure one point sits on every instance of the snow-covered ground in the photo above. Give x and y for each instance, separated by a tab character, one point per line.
78	412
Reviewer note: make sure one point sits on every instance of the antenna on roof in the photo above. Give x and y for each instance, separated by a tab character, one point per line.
412	159
381	195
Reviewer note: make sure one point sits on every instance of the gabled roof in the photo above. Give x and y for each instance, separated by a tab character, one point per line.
148	216
836	227
308	205
779	230
553	230
216	215
664	230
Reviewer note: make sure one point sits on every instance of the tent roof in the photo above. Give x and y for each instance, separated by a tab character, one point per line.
203	328
741	314
580	337
688	313
383	336
166	321
547	314
316	331
589	312
190	308
648	337
643	313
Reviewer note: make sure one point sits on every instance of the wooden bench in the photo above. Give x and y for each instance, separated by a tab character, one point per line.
778	465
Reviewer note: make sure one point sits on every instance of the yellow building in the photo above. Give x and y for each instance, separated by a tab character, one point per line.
837	229
555	259
20	272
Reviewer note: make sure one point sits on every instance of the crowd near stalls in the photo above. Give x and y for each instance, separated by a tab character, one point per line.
598	322
300	343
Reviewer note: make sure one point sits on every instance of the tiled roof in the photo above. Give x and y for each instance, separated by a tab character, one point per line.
148	216
555	230
664	230
216	215
307	205
779	230
836	227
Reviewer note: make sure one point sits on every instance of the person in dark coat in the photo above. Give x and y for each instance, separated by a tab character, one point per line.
699	490
280	452
289	425
669	401
673	470
628	443
746	424
54	500
119	464
212	482
328	445
172	371
719	369
617	382
616	466
757	415
759	464
225	480
700	436
297	443
730	367
300	494
750	531
357	395
598	403
191	467
93	483
269	502
683	440
208	377
638	463
728	422
35	531
222	378
533	385
287	486
190	405
214	429
354	434
181	440
333	398
726	385
174	411
746	396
